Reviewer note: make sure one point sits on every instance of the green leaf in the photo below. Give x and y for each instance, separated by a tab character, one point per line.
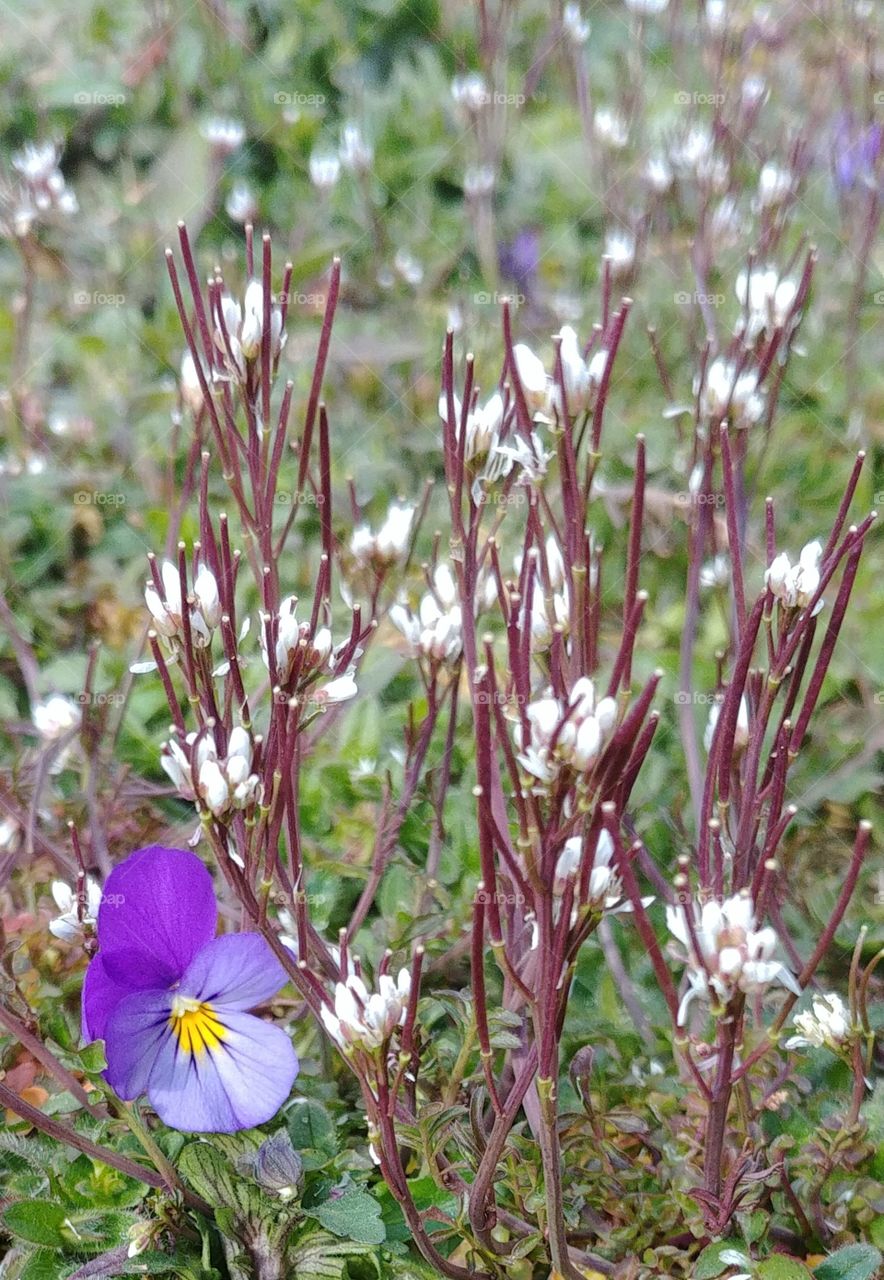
319	1256
92	1058
355	1215
41	1265
853	1262
207	1171
311	1127
779	1267
40	1221
710	1262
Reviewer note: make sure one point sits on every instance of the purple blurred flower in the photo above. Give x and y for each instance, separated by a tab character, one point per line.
520	258
856	152
169	999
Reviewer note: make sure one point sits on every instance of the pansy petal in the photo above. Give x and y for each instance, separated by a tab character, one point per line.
236	971
158	910
237	1084
137	1032
101	995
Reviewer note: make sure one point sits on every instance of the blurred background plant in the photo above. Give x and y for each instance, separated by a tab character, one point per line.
450	158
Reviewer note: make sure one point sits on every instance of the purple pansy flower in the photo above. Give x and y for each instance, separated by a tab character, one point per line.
169	999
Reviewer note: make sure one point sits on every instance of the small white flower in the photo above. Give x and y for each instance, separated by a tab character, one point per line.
56	717
482	427
741	733
796	585
389	544
726	393
646	8
529	455
341	689
693	155
366	1020
44	191
325	170
827	1025
658	174
575	26
68	925
470	92
240	338
572	734
167	610
610	128
767	301
11	832
241	204
191	390
716	572
478	181
774	185
225	136
620	251
581	377
532	376
436	630
355	152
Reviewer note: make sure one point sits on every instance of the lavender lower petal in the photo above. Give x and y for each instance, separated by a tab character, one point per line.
238	1084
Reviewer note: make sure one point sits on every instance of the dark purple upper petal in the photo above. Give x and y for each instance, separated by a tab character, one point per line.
236	971
157	911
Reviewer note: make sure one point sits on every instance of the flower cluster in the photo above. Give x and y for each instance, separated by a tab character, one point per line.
42	190
299	654
167	606
435	631
387	546
825	1025
767	300
220	783
549	610
572	732
240	329
726	952
366	1020
728	392
605	890
796	585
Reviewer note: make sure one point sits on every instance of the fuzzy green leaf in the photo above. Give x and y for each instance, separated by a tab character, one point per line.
853	1262
39	1221
355	1215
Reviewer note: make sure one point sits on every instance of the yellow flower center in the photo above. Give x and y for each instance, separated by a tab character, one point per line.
196	1025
